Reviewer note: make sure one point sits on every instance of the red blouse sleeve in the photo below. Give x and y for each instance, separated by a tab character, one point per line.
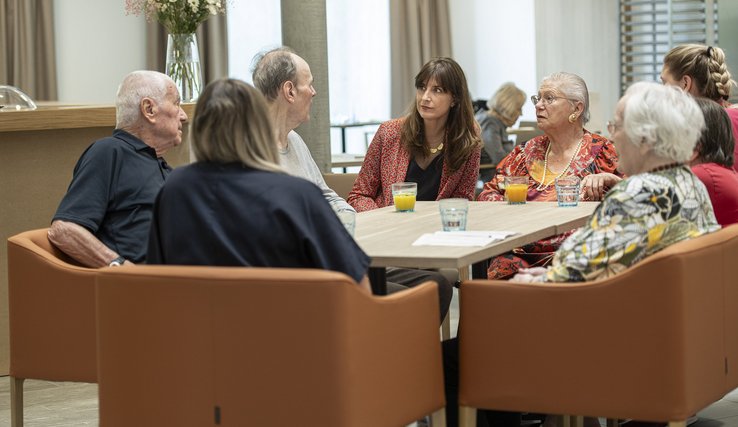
607	158
470	172
368	184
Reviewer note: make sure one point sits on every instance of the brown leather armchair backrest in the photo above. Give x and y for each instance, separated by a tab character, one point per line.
52	312
260	346
656	342
341	183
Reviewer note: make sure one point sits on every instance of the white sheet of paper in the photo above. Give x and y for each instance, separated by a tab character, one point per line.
462	238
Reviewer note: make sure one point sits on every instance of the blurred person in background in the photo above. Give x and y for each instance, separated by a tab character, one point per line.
505	107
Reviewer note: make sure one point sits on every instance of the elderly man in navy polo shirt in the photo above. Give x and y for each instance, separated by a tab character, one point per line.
104	218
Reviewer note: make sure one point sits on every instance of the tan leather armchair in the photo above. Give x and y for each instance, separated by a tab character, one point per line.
341	183
51	301
196	346
658	342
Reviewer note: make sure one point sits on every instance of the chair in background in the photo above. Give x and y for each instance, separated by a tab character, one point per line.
525	131
657	342
196	346
341	183
51	300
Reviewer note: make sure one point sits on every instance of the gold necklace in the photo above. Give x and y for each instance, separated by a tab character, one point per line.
541	186
437	149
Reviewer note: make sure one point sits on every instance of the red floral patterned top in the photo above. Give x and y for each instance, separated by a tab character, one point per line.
596	155
386	163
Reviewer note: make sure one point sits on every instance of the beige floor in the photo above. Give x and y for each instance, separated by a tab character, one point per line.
75	404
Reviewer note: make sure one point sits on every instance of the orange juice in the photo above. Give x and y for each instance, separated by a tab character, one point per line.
404	202
516	193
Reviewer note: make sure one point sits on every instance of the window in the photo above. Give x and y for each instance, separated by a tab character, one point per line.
358	59
649	29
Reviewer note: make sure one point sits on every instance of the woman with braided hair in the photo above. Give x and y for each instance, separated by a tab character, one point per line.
702	72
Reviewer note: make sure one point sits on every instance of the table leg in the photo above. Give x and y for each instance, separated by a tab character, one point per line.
343	146
378	280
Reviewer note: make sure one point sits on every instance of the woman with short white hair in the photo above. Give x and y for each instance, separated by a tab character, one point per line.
662	202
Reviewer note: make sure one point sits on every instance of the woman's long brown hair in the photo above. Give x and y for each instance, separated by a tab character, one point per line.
462	134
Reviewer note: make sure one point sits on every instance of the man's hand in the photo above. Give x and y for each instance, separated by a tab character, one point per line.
77	242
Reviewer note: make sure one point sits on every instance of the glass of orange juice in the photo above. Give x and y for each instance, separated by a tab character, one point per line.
516	189
404	194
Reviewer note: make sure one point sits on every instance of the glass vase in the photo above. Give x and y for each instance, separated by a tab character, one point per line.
183	65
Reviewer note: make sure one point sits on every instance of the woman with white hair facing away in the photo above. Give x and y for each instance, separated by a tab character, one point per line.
661	202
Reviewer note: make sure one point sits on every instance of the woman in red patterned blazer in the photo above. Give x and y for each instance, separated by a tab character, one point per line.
436	144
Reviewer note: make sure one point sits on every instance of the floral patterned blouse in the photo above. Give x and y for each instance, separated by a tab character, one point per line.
640	216
596	155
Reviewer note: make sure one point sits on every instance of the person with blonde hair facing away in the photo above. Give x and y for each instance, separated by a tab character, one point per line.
236	206
505	106
702	72
713	161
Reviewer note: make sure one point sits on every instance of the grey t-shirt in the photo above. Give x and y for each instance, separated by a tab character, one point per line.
297	161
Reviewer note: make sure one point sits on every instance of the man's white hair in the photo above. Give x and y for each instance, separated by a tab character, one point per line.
136	86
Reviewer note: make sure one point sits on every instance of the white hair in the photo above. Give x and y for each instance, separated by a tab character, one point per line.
573	87
664	117
136	86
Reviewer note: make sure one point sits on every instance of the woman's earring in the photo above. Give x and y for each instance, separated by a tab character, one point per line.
573	117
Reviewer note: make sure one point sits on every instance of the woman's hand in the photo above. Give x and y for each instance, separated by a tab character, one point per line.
530	275
595	186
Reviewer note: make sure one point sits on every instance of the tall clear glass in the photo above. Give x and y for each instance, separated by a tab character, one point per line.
183	65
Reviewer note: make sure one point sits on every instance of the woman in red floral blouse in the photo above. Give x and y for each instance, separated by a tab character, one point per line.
566	148
436	144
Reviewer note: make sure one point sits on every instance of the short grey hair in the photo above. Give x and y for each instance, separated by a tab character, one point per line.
573	87
271	69
136	86
664	117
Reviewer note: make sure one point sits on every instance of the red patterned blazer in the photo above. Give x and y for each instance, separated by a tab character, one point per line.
386	163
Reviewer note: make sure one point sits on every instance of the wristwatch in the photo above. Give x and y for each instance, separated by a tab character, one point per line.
117	262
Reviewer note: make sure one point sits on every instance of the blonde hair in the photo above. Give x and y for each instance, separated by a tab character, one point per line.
231	125
705	65
507	102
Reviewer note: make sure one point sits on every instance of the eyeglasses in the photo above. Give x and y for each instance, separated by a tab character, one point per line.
612	126
547	99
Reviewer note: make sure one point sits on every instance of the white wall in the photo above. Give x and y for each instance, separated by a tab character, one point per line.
96	46
494	42
582	37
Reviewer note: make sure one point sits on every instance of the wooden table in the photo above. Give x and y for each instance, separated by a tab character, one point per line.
387	236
